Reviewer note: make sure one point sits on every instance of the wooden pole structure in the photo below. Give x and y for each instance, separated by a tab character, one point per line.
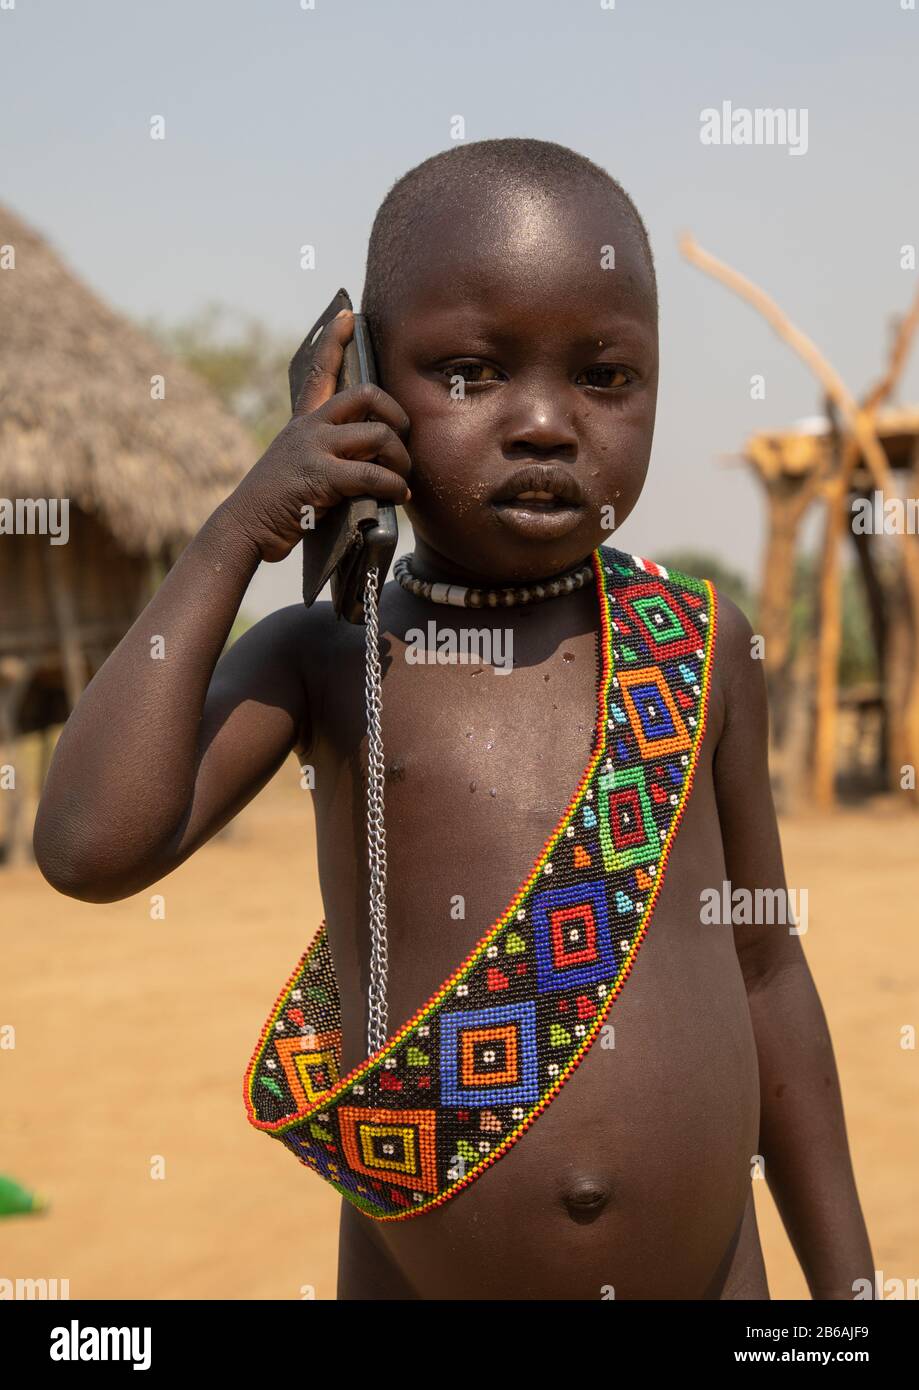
859	441
900	670
787	501
903	659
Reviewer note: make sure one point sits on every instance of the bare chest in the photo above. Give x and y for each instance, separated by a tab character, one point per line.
480	769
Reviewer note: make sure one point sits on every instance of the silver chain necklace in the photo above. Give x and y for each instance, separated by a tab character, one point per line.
376	831
456	596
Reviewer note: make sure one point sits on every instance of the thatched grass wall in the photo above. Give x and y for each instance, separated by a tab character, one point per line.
95	412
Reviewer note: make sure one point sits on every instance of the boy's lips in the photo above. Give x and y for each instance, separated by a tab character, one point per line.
545	523
540	501
540	482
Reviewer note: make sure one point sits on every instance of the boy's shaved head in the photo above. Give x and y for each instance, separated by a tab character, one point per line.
471	178
511	298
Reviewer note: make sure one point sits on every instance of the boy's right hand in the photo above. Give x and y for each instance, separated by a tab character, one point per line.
324	454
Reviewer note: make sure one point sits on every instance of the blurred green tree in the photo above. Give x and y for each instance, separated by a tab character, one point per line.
242	360
246	365
857	661
705	566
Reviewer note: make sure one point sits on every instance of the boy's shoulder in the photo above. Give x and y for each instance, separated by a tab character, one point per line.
733	623
737	664
307	646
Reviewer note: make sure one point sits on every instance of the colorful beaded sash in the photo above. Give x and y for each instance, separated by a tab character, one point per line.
458	1084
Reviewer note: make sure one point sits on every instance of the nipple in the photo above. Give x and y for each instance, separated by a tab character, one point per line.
585	1198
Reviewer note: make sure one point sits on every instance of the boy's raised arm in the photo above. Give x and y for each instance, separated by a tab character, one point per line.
802	1127
162	749
142	772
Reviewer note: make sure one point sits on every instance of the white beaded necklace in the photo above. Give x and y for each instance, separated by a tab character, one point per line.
467	596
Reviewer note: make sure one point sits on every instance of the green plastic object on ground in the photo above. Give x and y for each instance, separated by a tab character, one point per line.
14	1200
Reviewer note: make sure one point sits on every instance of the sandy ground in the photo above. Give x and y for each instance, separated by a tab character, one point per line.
132	1035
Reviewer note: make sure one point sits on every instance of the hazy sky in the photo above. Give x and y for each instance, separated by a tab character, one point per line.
287	126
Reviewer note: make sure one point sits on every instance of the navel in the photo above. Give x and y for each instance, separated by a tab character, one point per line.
585	1198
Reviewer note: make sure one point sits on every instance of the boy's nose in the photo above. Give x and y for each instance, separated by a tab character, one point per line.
540	423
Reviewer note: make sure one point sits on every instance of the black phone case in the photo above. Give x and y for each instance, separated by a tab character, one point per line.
360	532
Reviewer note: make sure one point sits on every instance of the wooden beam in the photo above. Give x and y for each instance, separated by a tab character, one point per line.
15	675
59	573
787	500
865	545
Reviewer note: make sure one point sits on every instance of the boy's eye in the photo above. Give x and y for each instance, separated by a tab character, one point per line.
604	375
473	373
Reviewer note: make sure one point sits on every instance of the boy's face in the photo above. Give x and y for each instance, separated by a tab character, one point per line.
558	357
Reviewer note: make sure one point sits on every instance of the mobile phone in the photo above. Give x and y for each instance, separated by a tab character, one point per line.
360	532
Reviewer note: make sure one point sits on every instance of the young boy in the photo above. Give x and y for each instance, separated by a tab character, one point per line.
524	271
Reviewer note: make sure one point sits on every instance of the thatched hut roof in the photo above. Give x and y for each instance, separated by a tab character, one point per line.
801	450
76	415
